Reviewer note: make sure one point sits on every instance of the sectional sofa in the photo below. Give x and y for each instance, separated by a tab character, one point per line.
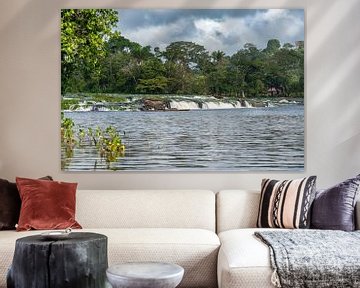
209	234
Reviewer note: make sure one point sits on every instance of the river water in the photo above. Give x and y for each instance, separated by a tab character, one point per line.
245	139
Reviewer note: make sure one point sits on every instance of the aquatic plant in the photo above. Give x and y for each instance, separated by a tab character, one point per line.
67	133
111	146
107	141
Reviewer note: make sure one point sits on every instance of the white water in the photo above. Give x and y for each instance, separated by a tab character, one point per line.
247	104
191	105
85	107
184	105
81	109
217	105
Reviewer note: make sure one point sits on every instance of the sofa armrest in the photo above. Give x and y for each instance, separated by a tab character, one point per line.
357	215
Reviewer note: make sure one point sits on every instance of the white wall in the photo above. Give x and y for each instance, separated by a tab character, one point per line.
30	94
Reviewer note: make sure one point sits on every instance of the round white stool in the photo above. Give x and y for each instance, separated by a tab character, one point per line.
145	275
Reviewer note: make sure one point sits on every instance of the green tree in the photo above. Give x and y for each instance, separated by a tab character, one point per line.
272	45
134	60
153	85
113	77
83	36
198	85
188	54
179	77
217	56
285	70
182	61
95	58
218	77
152	77
248	66
288	46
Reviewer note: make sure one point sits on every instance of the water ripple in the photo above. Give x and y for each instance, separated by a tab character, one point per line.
213	140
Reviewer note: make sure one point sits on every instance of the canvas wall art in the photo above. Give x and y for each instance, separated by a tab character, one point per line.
182	89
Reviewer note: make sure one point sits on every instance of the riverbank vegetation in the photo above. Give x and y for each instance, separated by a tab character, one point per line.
96	58
107	142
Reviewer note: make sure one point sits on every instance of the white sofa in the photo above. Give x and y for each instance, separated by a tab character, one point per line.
243	261
175	226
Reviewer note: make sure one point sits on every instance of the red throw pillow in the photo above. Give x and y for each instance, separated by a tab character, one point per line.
46	204
10	204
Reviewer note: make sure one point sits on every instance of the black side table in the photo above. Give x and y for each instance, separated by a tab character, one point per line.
78	261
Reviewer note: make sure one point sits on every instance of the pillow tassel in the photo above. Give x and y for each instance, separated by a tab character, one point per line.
275	279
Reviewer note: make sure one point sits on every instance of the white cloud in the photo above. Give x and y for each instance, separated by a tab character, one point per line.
157	35
227	33
277	23
208	26
270	15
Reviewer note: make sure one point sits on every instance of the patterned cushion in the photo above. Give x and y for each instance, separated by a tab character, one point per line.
286	204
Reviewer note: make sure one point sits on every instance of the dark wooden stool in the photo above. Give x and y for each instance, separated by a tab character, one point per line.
78	261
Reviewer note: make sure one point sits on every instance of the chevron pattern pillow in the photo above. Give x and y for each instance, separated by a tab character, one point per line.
286	204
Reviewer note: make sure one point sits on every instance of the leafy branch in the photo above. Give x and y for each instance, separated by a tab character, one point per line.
107	142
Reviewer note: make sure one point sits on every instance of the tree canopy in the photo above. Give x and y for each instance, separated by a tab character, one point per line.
97	59
84	33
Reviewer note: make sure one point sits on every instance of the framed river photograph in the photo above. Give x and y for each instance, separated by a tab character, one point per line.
182	89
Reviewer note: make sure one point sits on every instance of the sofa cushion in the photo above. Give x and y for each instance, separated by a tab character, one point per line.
286	204
244	261
46	204
334	208
236	209
153	209
10	204
196	250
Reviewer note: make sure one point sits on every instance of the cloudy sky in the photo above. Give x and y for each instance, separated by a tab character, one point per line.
226	29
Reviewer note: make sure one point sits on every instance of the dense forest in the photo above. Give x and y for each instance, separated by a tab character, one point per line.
96	58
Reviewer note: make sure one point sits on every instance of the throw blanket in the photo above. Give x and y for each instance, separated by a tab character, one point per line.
314	258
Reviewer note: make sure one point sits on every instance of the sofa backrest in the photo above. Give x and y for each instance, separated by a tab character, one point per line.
236	209
146	209
239	209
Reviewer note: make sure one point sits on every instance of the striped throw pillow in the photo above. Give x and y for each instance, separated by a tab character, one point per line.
286	204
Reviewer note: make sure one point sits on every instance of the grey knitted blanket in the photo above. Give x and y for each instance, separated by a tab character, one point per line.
313	258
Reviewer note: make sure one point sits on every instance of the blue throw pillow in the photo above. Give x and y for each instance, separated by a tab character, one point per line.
334	208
